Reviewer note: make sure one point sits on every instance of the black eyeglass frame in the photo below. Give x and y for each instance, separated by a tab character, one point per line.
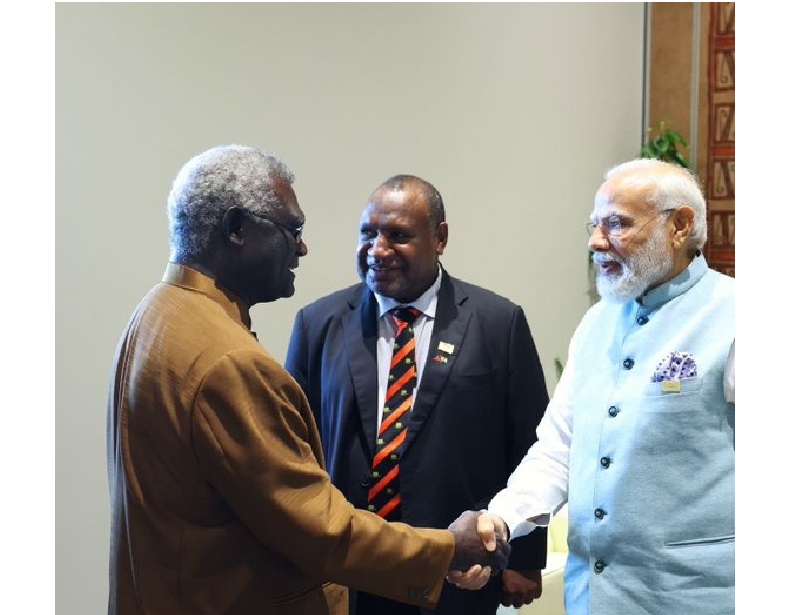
294	232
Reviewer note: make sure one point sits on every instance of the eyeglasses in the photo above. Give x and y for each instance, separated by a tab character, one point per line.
616	225
295	232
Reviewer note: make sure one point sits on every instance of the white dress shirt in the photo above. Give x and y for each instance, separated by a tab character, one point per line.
387	332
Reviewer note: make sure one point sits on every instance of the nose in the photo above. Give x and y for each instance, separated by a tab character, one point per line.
380	245
598	241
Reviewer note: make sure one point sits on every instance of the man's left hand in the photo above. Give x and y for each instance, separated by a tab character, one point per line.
520	587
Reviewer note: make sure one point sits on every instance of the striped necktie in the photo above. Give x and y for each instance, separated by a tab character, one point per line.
384	496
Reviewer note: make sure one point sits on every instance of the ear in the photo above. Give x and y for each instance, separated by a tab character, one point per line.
683	224
232	226
442	234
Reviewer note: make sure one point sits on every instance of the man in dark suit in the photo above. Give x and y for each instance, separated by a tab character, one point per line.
479	389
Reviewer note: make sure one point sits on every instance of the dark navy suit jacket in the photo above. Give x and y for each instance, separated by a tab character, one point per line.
473	418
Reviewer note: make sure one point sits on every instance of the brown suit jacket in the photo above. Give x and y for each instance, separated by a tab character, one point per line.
220	500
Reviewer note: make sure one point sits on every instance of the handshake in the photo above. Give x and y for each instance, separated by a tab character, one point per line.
481	549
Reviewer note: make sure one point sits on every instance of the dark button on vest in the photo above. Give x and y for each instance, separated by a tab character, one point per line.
599	566
628	363
599	513
642	320
605	461
613	411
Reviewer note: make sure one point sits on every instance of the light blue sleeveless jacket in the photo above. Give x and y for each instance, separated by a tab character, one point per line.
651	472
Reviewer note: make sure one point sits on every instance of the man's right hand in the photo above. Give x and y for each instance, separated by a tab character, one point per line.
479	541
492	531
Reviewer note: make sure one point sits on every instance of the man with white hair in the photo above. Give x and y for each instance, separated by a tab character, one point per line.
639	437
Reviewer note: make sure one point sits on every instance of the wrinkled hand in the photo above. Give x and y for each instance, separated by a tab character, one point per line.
520	587
481	547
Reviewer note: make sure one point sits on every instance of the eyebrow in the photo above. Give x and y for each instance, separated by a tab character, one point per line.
618	214
292	222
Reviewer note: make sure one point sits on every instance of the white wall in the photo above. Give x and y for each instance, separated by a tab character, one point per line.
512	110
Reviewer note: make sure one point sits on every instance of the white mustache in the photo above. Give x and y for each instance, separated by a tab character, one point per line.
600	259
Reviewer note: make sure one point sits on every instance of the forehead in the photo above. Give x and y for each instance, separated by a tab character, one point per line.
288	200
396	207
622	196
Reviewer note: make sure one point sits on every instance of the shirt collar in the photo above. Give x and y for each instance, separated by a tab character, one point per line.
677	285
425	303
192	279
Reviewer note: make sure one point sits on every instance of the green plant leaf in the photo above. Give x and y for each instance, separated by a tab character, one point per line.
675	137
681	160
558	367
664	144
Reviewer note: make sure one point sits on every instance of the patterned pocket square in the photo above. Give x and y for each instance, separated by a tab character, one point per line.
674	367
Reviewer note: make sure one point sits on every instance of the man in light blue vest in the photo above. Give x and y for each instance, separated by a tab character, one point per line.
639	437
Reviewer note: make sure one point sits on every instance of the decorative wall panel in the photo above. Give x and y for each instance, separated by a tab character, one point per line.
720	168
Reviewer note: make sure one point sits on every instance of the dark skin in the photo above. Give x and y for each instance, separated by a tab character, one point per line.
397	257
253	257
397	254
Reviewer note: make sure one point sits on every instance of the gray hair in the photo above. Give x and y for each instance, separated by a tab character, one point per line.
211	183
672	186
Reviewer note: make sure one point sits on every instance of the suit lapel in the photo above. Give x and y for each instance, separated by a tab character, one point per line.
360	327
446	342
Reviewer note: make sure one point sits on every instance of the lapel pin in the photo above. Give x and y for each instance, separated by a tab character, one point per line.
446	347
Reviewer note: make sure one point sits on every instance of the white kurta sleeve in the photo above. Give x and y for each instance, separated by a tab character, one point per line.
729	376
538	487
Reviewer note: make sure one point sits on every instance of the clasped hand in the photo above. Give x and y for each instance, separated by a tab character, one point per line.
481	548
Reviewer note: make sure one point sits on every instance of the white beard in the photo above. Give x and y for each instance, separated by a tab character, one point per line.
638	272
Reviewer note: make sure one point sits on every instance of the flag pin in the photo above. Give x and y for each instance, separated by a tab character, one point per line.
446	347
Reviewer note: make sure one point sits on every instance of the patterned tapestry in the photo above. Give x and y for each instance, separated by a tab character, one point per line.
720	169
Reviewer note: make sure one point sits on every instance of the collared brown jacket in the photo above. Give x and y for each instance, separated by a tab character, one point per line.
220	500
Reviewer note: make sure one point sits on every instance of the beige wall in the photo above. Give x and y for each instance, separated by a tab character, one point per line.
512	110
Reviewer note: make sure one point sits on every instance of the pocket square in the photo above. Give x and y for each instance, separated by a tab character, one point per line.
675	366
